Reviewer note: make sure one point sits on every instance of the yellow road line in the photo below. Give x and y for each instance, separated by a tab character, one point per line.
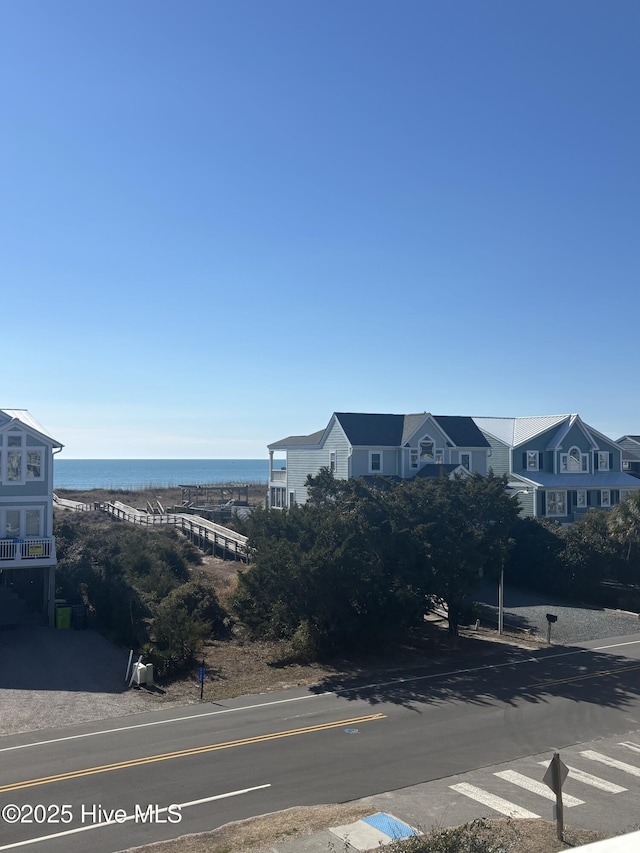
183	753
587	675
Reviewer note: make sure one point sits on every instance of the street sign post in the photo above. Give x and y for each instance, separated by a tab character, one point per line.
202	673
556	773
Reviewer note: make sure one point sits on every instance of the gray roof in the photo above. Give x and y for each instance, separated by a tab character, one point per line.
600	480
27	419
297	440
411	424
630	445
365	430
372	430
515	431
387	430
462	430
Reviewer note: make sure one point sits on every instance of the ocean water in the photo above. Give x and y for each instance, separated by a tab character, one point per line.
155	473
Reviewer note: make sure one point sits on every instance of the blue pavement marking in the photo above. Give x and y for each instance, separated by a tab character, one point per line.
391	826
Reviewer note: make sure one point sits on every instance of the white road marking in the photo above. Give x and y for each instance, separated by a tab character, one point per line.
589	779
102	824
496	803
612	762
537	787
630	745
166	722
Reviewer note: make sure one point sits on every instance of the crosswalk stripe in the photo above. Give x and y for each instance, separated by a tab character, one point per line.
495	803
536	787
611	762
630	745
588	779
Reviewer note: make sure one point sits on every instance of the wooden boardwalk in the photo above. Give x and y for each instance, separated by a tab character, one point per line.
205	534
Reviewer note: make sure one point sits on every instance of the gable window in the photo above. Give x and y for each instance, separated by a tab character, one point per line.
605	497
413	458
13	471
439	457
532	460
574	462
581	498
375	462
333	461
556	503
602	460
465	459
34	464
19	463
427	450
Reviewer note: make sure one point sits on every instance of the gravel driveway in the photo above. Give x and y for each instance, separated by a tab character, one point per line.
528	611
51	678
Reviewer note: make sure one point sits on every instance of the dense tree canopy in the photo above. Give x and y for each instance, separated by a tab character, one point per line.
362	559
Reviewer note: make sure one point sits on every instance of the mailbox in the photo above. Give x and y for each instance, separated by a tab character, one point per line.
551	617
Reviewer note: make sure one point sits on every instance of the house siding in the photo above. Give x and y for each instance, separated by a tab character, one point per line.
498	462
478	459
360	461
537	444
302	462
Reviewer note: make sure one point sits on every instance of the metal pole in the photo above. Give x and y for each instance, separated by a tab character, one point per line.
501	604
557	781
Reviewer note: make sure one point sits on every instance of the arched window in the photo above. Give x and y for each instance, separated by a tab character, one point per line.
427	449
574	462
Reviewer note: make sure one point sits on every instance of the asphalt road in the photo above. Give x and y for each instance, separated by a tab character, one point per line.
251	756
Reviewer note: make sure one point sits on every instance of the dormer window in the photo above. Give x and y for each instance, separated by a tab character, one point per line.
427	450
532	460
574	462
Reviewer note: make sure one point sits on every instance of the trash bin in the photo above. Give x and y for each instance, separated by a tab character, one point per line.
63	616
79	617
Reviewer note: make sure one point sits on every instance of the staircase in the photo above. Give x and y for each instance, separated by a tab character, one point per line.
15	611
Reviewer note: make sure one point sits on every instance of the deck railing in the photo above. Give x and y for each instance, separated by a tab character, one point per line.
26	551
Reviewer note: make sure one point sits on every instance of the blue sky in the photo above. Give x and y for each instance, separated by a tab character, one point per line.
222	221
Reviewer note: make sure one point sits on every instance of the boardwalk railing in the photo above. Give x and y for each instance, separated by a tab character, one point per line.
74	506
202	532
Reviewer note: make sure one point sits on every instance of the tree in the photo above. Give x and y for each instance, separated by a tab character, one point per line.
590	555
624	524
328	570
535	560
462	526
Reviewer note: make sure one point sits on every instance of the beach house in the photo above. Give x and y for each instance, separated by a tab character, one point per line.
630	445
558	466
361	445
27	545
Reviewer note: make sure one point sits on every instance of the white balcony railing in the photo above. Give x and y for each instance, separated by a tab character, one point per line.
27	552
278	476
